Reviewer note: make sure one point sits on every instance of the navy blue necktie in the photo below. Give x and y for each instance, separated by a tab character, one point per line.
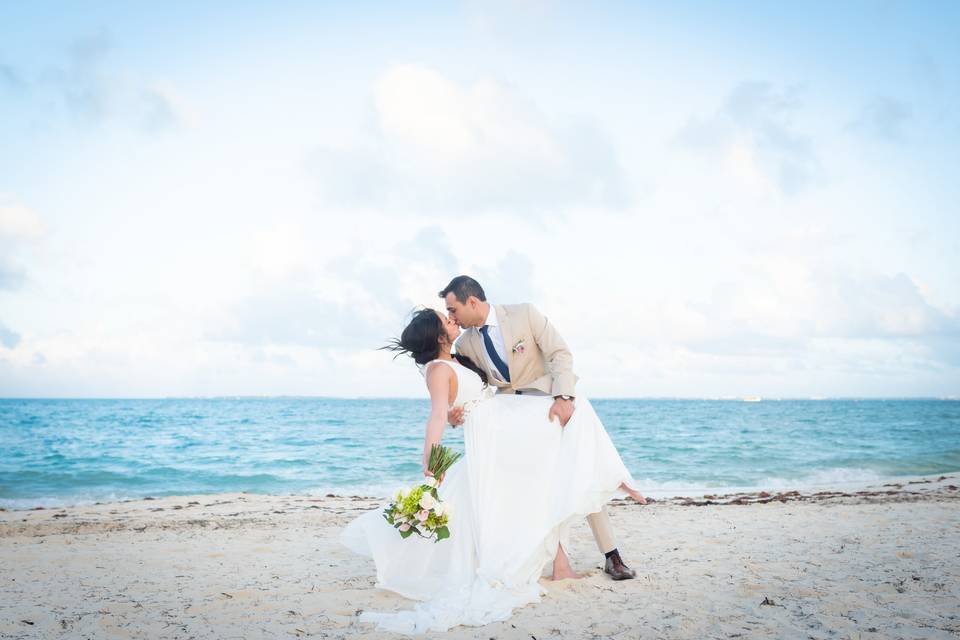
500	364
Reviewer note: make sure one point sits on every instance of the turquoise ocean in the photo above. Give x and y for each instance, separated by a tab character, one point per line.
61	452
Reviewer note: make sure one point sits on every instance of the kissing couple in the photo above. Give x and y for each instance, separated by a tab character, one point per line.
537	460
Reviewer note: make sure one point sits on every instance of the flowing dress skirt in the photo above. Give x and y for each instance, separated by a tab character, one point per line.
523	481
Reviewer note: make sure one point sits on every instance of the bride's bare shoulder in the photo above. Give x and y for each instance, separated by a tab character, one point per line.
440	378
432	372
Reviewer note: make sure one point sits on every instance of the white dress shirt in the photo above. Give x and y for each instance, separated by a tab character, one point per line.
497	337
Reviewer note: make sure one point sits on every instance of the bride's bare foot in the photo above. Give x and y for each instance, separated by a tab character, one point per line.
561	567
636	495
569	574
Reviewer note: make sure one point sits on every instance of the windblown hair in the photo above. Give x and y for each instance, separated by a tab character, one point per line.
462	287
420	340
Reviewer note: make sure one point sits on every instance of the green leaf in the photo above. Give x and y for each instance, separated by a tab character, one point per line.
442	533
406	534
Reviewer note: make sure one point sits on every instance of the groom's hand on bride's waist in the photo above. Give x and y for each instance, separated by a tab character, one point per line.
455	416
562	409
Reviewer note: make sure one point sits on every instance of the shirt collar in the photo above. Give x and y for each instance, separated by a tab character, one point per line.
492	317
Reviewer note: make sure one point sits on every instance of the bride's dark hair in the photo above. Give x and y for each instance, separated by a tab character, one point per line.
420	340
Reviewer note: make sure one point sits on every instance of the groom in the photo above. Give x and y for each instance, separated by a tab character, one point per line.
521	352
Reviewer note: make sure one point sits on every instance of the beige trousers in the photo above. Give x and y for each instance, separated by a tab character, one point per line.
600	525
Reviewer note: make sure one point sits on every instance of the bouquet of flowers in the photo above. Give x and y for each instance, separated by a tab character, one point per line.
420	510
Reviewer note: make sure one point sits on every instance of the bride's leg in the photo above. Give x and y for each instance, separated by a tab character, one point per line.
636	495
561	566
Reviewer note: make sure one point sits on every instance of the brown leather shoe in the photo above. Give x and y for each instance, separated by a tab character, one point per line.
616	568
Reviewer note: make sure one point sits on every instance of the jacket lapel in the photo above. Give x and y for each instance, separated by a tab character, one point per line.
476	342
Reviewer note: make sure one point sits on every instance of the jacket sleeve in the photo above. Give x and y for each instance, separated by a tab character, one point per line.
555	352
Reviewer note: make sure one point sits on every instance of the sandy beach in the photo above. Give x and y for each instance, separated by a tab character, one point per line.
883	562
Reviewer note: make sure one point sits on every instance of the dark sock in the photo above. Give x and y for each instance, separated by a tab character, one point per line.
610	553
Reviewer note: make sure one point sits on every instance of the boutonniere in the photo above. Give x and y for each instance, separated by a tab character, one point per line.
518	347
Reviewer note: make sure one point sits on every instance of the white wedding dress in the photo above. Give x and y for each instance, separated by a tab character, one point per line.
512	497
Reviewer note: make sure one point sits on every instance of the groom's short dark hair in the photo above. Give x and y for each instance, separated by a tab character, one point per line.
462	287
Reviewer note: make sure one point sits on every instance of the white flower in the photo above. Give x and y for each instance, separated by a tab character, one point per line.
430	481
427	501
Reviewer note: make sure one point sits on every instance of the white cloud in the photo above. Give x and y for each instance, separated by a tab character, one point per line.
93	89
280	249
430	246
161	107
773	314
20	228
884	118
753	134
439	145
510	280
354	300
8	337
451	128
18	222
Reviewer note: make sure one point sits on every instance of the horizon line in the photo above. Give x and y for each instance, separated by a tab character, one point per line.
744	398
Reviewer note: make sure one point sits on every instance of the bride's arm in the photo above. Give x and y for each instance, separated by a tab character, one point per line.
438	382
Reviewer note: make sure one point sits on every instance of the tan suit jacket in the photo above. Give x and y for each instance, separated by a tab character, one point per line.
537	357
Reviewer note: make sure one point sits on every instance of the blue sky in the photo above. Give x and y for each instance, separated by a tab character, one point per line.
707	200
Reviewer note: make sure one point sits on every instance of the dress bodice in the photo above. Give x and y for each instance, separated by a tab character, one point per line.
470	387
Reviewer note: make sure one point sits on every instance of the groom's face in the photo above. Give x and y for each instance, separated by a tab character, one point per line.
465	314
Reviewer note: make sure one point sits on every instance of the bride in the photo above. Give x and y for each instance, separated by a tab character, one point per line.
512	498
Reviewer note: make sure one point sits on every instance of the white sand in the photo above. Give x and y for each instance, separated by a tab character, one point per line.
873	565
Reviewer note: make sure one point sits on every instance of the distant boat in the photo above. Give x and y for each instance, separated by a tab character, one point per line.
751	399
